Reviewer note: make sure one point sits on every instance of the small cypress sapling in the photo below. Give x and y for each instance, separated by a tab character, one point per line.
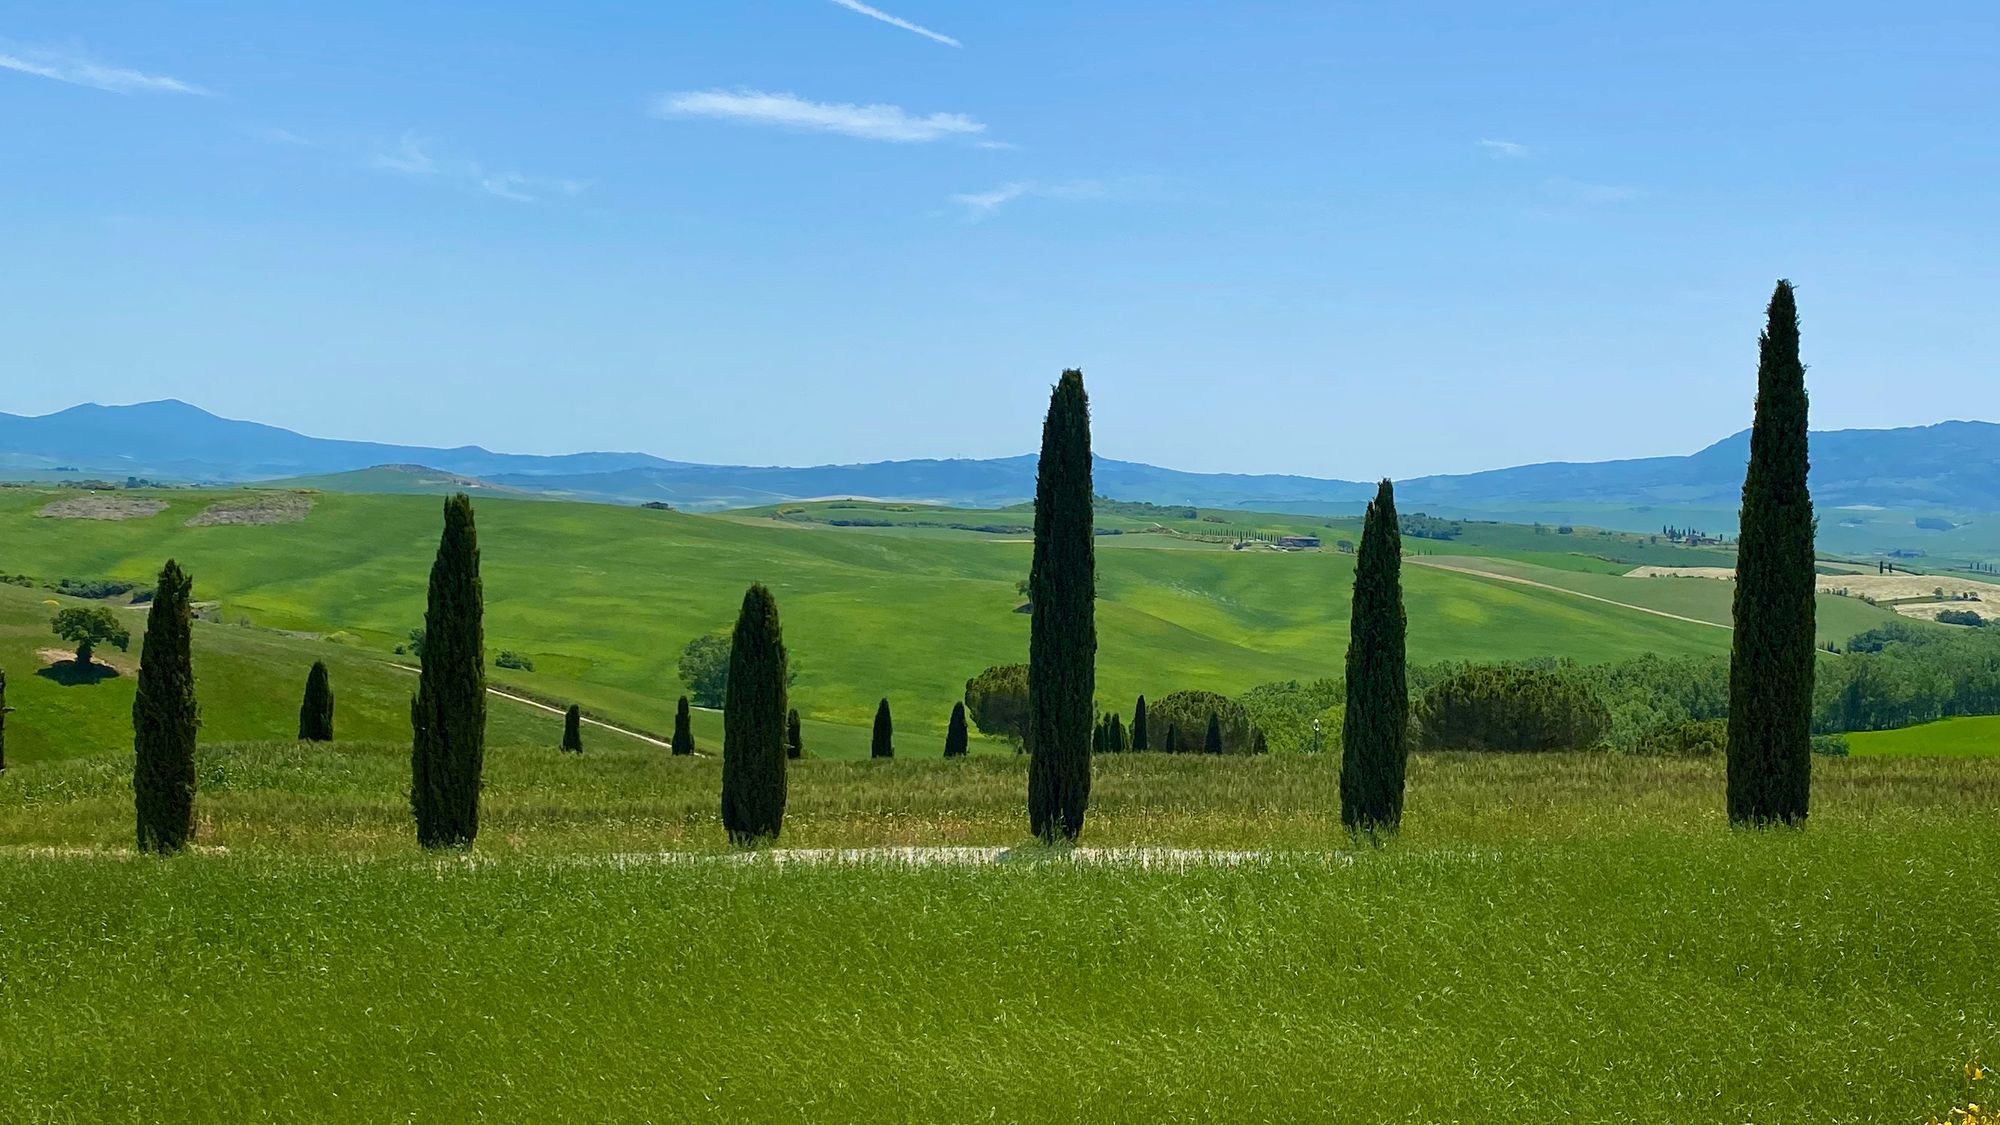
572	741
955	736
1173	744
683	730
1213	744
883	743
795	747
1139	724
164	718
316	711
1118	745
753	724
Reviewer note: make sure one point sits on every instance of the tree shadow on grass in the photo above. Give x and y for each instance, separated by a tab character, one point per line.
69	673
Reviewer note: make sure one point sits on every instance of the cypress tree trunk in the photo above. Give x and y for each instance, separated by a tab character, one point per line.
955	735
1213	744
448	714
753	724
1374	749
1771	657
164	719
683	730
883	743
1139	724
795	746
573	729
316	711
1062	632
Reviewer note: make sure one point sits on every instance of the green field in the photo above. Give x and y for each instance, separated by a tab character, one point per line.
1971	736
603	598
1554	937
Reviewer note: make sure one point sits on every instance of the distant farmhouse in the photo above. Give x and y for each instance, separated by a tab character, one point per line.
1298	542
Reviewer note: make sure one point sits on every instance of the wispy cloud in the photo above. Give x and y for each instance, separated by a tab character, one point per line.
1506	150
985	204
280	137
897	21
80	71
413	157
869	122
1000	146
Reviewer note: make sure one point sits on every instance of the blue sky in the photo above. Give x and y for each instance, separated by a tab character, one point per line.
1336	239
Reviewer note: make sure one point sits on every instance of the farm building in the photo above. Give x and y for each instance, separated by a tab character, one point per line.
1298	542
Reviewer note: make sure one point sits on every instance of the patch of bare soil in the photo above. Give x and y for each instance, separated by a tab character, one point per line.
275	507
1933	591
100	507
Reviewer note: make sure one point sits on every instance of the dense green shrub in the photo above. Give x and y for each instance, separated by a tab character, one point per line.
1188	712
1960	617
1509	708
997	702
1830	745
1686	738
1284	711
508	658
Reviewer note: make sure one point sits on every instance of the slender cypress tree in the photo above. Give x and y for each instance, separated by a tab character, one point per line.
1213	744
1375	752
316	711
164	718
955	735
448	714
1062	631
1173	743
1139	724
1118	744
753	724
795	746
1771	659
883	744
683	730
573	730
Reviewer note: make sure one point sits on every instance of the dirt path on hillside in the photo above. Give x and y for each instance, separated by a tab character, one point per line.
553	710
1439	562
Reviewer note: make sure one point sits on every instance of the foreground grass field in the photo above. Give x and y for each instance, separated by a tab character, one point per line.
1572	937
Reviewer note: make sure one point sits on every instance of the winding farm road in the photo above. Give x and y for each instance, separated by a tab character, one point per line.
553	710
1440	562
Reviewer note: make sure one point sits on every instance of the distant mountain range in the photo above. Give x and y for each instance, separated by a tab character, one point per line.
1951	466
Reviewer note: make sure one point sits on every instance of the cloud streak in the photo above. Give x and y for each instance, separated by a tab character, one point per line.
1505	150
788	111
897	21
413	158
980	205
79	71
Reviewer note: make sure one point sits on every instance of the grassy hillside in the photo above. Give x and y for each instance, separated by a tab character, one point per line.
603	598
1974	736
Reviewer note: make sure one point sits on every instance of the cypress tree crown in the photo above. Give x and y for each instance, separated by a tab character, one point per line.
165	718
683	730
1062	631
956	737
753	724
448	714
316	710
883	743
1374	750
1772	651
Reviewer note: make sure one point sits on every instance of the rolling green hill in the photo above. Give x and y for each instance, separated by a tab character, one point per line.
603	598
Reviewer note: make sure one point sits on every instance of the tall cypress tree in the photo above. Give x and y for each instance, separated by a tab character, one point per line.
1374	748
1771	657
1139	724
1062	631
795	746
164	718
572	741
955	735
1213	743
448	714
683	729
883	743
753	724
316	710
